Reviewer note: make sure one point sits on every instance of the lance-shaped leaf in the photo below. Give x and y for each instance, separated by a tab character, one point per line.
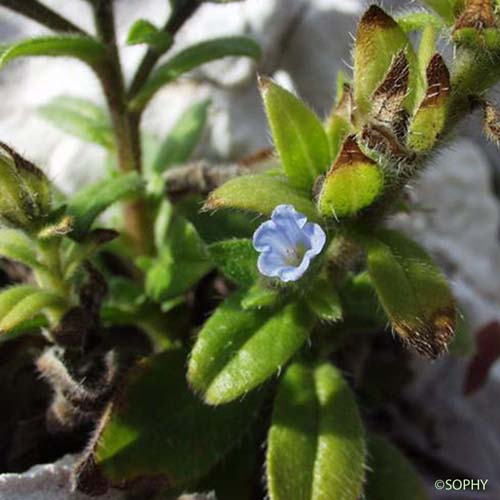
426	50
316	446
143	31
324	301
237	259
23	302
390	471
183	138
262	194
17	246
92	200
158	428
81	47
298	135
192	57
412	290
445	8
239	349
379	39
353	182
80	118
430	118
338	125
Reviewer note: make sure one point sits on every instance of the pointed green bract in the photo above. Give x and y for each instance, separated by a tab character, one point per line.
379	39
316	448
416	21
152	430
426	50
80	118
338	125
428	123
390	471
262	194
413	291
189	59
183	138
352	184
298	135
239	349
259	296
81	47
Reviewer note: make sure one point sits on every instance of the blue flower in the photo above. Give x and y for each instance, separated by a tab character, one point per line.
287	243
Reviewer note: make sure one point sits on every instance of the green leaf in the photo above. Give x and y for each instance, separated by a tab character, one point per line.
182	261
324	301
142	31
16	245
160	429
192	57
236	259
260	193
416	21
237	350
353	183
390	471
316	447
23	302
183	138
412	290
80	118
92	200
298	134
426	51
379	39
81	47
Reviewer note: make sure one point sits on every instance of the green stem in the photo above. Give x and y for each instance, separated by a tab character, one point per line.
41	14
51	276
125	124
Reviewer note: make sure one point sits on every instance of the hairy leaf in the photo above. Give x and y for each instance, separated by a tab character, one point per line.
80	118
192	57
316	447
183	138
412	290
445	8
16	245
92	200
390	471
324	301
260	193
157	422
299	137
237	259
238	349
81	47
23	302
142	31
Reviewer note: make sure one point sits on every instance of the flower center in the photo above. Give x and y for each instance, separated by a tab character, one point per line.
294	255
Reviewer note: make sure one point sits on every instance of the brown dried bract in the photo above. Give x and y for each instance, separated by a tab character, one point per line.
478	14
491	123
385	141
349	155
438	82
389	97
375	17
430	339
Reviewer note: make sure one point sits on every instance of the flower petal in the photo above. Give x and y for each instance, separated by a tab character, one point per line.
268	238
270	264
316	238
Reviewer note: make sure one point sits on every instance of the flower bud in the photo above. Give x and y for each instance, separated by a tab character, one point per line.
25	191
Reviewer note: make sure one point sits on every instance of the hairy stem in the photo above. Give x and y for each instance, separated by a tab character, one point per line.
40	13
125	123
